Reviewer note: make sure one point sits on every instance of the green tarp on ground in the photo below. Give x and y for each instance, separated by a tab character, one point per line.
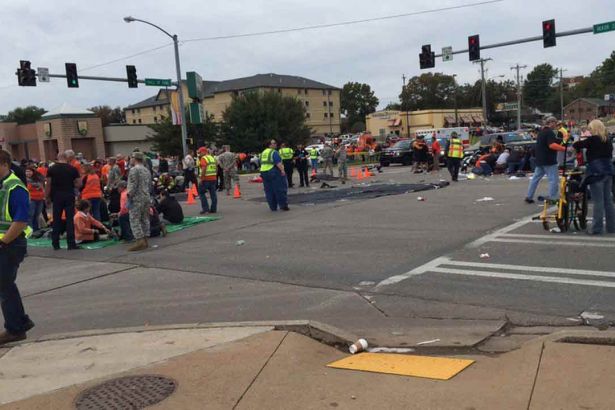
188	222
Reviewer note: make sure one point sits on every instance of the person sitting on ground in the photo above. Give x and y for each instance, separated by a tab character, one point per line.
170	209
88	229
122	216
482	166
502	161
156	226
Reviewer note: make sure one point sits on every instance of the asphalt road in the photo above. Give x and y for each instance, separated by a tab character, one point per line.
378	264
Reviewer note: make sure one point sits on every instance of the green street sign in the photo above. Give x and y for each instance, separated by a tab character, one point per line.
604	27
157	82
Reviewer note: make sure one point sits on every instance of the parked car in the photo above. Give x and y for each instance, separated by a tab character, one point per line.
399	153
507	138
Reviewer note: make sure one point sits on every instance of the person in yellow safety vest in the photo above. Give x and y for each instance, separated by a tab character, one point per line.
314	158
208	171
14	229
274	178
287	155
454	155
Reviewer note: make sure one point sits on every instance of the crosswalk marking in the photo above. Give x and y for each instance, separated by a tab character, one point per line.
541	269
558	237
552	242
535	278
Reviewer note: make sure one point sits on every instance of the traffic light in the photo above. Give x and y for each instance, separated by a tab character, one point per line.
474	47
131	74
72	79
548	33
427	58
26	76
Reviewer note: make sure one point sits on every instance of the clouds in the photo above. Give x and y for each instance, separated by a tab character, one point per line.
89	33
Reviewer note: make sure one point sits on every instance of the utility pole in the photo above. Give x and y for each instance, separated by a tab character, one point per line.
518	67
455	99
482	62
561	92
403	77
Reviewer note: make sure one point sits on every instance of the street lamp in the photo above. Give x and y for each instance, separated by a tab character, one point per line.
130	19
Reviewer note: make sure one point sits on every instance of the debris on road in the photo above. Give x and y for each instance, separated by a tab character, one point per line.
485	199
358	346
591	315
485	256
420	199
390	350
427	342
367	283
240	242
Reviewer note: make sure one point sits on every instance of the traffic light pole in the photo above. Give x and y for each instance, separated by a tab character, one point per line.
482	62
181	98
527	40
95	78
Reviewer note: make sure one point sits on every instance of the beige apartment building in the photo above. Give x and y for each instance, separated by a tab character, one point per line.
321	101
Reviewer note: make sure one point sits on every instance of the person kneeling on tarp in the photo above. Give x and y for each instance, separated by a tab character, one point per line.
87	228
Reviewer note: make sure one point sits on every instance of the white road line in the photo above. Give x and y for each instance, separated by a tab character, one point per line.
515	276
581	272
581	237
489	237
416	271
564	243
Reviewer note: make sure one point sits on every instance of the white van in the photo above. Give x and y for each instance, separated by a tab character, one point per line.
462	132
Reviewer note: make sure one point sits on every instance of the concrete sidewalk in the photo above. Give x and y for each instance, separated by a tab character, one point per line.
261	368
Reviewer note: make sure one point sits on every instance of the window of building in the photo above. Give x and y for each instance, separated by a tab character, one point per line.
280	90
305	91
326	115
324	92
330	92
324	103
330	103
308	115
139	120
307	103
155	119
133	111
134	121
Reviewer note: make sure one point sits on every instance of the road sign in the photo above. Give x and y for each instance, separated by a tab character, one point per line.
43	74
604	27
157	82
447	53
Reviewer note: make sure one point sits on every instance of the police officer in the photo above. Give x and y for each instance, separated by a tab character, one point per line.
287	154
454	154
274	178
301	162
14	205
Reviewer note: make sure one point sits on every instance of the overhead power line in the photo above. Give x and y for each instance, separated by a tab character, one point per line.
125	58
343	23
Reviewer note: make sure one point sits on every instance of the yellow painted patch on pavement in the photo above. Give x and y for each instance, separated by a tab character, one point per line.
439	368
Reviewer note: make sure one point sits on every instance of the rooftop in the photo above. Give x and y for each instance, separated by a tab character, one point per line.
66	109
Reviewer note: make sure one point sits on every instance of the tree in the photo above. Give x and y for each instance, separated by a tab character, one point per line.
25	115
253	118
429	90
538	87
393	106
108	115
167	138
357	101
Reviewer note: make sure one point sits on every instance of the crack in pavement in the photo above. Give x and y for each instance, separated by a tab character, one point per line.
542	349
79	282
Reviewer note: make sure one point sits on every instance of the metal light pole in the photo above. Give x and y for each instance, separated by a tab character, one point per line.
403	77
130	19
482	62
456	114
518	67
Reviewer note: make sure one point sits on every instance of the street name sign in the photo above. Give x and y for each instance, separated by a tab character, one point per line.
157	82
43	74
447	53
604	27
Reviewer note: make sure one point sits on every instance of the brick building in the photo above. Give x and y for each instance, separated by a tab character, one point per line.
58	130
583	110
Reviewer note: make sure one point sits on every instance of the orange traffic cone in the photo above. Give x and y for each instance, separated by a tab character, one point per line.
191	200
359	174
237	193
353	172
366	173
194	191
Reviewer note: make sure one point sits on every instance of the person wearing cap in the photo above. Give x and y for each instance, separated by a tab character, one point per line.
547	147
208	167
274	178
14	207
138	193
454	155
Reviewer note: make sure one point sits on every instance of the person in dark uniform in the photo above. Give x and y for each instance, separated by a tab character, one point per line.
14	206
62	180
301	163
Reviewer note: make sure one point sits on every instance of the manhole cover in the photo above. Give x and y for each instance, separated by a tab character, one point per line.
132	392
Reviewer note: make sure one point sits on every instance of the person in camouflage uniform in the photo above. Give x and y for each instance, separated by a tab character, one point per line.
139	184
340	154
228	162
327	155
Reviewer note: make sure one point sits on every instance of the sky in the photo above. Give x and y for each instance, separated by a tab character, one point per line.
88	33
